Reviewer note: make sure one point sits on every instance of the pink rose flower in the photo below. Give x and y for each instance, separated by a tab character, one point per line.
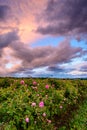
34	83
61	107
44	114
49	121
41	104
27	119
47	86
22	82
33	104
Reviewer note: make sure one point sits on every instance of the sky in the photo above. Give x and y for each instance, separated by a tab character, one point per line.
43	38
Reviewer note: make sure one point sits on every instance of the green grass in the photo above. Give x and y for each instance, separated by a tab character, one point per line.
79	122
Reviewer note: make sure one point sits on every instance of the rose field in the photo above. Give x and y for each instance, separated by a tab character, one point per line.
43	104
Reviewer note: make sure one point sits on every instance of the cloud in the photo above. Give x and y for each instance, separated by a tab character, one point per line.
67	17
8	38
60	69
22	15
48	17
45	56
85	59
8	19
83	68
25	59
55	69
22	72
4	12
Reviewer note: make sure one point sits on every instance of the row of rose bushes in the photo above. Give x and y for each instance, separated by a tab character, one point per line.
30	104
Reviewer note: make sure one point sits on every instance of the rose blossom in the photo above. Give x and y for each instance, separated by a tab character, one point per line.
33	104
49	121
27	119
22	82
47	86
61	107
41	104
44	114
34	83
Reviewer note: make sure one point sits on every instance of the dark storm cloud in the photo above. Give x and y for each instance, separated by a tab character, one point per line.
59	69
31	58
83	68
65	17
23	72
55	69
29	55
4	12
8	38
45	56
40	56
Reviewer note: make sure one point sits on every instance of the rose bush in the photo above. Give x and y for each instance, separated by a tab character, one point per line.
24	108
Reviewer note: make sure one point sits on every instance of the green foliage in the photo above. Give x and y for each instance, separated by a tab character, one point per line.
4	83
79	122
16	102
